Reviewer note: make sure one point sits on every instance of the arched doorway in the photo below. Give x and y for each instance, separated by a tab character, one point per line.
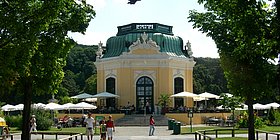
178	87
110	87
144	94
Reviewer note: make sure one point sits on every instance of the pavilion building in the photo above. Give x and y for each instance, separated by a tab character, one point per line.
143	61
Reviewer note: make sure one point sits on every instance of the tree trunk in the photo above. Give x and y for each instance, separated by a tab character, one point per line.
26	110
278	18
251	128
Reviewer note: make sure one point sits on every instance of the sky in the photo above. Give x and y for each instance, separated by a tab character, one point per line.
113	13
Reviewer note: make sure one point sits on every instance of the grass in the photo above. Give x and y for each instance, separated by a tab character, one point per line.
54	129
185	130
270	128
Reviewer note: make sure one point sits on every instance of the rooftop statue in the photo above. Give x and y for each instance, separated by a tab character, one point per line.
99	50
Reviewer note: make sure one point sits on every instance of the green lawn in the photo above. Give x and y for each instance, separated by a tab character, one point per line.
54	129
271	128
185	130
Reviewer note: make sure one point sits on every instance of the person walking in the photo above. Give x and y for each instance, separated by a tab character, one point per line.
152	126
89	126
103	130
147	107
33	124
110	127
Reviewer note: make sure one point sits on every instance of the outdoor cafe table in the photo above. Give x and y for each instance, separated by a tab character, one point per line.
126	111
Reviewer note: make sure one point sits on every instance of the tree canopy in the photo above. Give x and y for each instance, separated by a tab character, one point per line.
34	44
247	36
208	76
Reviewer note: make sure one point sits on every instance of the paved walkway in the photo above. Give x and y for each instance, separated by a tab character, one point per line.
141	133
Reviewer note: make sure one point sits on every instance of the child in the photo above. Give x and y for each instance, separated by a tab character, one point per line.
103	130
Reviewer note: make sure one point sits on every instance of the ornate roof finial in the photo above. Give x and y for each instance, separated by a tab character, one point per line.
190	53
144	37
99	50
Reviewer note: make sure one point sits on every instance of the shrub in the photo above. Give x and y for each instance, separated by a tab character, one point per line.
277	118
243	121
14	121
43	119
271	116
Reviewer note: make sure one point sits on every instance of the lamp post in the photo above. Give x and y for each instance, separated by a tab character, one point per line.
190	115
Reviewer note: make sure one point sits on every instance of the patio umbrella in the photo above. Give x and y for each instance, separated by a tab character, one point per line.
226	94
82	105
8	107
82	96
90	100
185	94
19	107
67	106
259	106
273	105
39	105
53	106
207	96
105	95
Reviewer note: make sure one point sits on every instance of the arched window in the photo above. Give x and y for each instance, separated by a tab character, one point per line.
178	87
111	88
144	94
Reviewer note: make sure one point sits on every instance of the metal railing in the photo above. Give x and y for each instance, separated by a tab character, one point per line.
202	134
72	135
266	134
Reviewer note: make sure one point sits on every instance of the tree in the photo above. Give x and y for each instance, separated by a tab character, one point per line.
164	101
34	45
208	76
247	35
230	103
91	84
79	67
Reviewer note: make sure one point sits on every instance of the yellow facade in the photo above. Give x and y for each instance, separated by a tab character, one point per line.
126	85
145	65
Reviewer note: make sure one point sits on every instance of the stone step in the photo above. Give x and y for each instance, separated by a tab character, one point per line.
141	120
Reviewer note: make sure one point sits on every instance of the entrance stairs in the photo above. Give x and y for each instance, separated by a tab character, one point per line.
141	120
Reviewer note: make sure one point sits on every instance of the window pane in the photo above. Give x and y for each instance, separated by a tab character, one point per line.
148	81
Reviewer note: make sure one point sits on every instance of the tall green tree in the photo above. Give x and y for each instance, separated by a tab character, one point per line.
246	35
208	76
34	45
80	66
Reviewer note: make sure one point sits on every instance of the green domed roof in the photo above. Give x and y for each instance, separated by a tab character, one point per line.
172	45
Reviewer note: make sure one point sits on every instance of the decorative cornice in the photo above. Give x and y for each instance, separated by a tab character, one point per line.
148	73
144	44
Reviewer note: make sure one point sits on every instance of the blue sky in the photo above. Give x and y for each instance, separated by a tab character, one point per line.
113	13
